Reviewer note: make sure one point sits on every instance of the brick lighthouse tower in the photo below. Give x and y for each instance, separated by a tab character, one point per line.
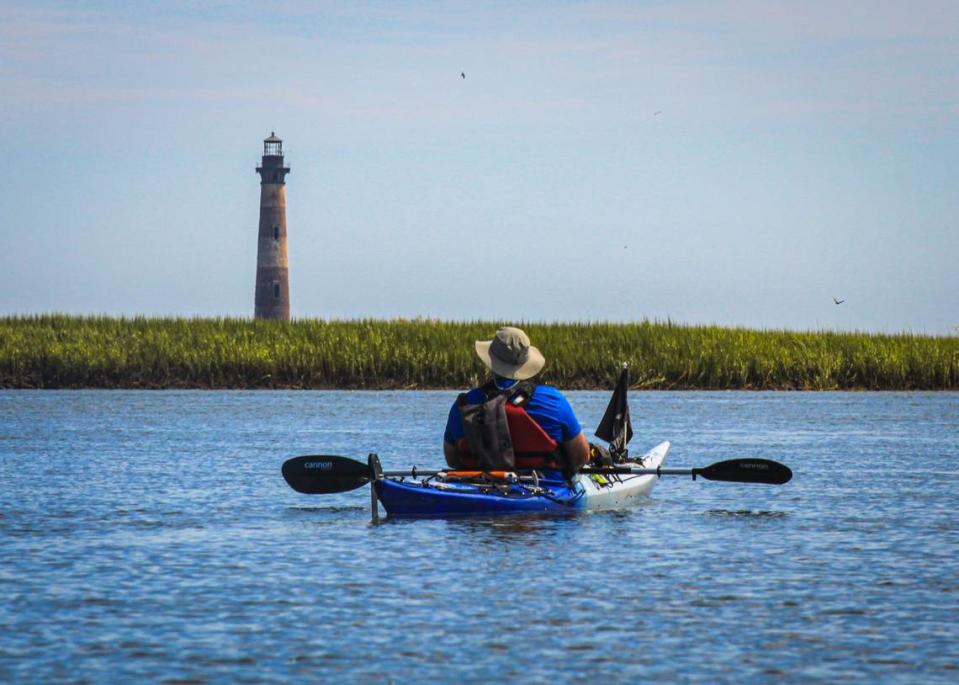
272	297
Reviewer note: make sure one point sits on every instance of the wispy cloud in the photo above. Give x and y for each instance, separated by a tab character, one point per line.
742	59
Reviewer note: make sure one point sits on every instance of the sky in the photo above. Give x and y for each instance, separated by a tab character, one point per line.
705	161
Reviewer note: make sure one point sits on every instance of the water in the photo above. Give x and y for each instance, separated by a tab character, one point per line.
149	536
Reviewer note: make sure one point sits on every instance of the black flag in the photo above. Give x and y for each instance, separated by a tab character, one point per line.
615	427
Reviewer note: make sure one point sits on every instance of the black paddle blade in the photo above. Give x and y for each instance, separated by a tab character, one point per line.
747	471
324	474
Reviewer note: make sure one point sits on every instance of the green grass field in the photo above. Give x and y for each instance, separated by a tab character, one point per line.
54	351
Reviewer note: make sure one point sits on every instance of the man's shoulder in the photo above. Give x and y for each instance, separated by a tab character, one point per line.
550	405
548	391
548	396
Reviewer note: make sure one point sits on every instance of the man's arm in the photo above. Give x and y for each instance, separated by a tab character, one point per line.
452	434
575	452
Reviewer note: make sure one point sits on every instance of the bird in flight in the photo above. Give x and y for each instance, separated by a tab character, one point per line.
657	113
463	74
837	301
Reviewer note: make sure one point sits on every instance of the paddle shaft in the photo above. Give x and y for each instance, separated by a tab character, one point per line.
326	474
636	471
416	473
639	471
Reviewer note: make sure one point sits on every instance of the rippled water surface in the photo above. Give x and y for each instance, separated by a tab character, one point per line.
149	536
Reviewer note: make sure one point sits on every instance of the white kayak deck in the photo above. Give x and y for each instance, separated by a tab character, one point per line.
622	490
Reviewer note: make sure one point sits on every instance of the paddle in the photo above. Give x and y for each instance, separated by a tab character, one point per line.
326	474
732	471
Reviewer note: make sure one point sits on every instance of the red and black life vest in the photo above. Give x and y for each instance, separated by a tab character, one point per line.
501	435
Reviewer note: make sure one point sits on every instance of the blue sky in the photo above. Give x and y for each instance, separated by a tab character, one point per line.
802	150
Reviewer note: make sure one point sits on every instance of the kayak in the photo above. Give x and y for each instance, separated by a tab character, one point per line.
542	492
441	493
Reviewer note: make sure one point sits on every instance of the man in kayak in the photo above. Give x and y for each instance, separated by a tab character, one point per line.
511	411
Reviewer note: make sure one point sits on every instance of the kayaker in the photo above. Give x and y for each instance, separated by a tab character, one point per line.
485	423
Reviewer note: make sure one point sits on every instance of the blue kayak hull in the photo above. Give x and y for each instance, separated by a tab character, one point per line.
412	498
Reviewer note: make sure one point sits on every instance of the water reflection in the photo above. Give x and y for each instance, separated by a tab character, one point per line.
509	529
747	513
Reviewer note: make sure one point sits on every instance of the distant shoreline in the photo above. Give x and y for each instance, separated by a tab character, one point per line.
58	351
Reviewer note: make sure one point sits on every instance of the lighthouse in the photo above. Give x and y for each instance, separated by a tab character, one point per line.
272	296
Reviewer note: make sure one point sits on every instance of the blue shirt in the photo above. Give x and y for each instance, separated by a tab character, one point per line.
547	406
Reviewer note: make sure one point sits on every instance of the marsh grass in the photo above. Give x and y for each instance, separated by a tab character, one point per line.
56	351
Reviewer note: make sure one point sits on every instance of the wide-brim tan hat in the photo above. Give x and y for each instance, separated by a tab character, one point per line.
510	355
